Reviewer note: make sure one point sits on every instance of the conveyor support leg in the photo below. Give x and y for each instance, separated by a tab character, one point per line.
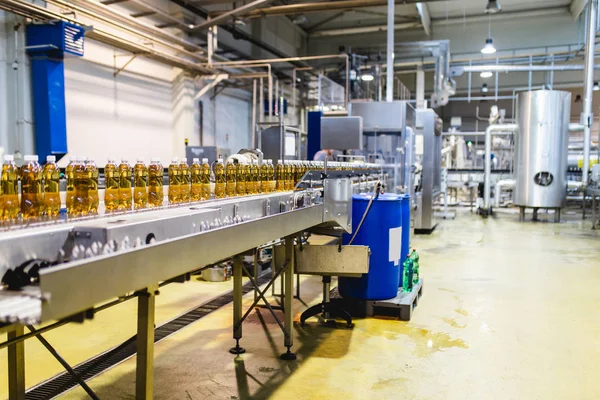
144	383
289	298
237	305
16	366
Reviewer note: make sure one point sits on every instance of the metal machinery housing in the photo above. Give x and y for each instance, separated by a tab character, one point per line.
428	152
541	149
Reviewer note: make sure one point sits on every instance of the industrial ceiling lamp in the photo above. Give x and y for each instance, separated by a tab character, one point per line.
367	77
489	42
484	88
486	74
493	7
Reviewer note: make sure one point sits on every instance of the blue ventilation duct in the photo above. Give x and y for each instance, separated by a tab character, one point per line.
47	45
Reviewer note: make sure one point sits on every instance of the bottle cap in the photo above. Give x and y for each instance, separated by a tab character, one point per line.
29	157
269	161
220	160
124	161
50	159
155	160
204	160
90	160
184	160
9	157
196	160
174	160
279	161
36	158
109	160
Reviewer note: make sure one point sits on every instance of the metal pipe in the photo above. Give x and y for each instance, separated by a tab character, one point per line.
488	159
261	105
389	73
502	184
253	123
363	29
520	68
587	116
228	14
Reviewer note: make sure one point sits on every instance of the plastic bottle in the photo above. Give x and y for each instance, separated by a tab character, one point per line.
186	181
219	179
81	204
271	175
280	176
205	177
254	177
230	179
174	182
155	183
288	175
240	179
9	201
125	195
51	174
70	178
93	198
414	256
407	274
196	178
31	188
111	186
140	184
264	177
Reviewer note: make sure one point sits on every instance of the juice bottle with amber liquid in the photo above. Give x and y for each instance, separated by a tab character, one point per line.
186	181
240	178
111	186
219	179
93	198
205	179
196	178
9	185
155	183
51	175
125	195
230	179
140	185
31	188
263	177
174	182
70	178
280	175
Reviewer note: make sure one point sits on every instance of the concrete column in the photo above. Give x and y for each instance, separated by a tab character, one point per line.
185	120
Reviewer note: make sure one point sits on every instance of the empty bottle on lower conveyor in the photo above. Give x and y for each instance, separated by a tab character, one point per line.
111	186
240	178
93	197
9	189
196	180
81	201
205	176
219	179
186	181
51	175
280	176
125	192
31	188
156	194
263	177
140	184
230	179
174	182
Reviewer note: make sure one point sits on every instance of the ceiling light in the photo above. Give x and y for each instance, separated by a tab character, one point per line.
484	88
300	19
596	87
489	46
493	7
486	74
366	77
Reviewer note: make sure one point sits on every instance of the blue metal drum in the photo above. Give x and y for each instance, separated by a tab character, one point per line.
405	205
382	232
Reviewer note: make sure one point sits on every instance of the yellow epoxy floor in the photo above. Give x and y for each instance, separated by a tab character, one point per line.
510	311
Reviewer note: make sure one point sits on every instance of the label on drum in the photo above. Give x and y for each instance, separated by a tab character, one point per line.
395	245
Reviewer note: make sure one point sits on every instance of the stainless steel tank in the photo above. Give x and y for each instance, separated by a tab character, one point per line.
541	148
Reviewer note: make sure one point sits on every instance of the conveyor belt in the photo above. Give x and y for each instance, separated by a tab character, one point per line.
97	365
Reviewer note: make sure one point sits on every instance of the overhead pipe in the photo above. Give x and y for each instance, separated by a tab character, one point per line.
587	117
363	29
520	68
488	159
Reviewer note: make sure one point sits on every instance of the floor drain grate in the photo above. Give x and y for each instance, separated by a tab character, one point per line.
95	366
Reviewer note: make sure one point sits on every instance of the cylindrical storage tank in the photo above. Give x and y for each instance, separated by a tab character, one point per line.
382	232
405	205
541	148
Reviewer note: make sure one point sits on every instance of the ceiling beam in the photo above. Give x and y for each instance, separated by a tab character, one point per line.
425	17
577	7
363	29
325	21
229	14
302	8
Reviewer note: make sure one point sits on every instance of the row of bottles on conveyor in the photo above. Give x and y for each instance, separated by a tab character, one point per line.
140	186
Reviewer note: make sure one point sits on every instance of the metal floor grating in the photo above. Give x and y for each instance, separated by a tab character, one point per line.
95	366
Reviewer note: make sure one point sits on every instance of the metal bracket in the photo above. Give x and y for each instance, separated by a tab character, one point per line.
118	71
267	207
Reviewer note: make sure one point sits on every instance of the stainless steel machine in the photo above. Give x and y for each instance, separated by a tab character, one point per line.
83	263
282	141
428	151
541	150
